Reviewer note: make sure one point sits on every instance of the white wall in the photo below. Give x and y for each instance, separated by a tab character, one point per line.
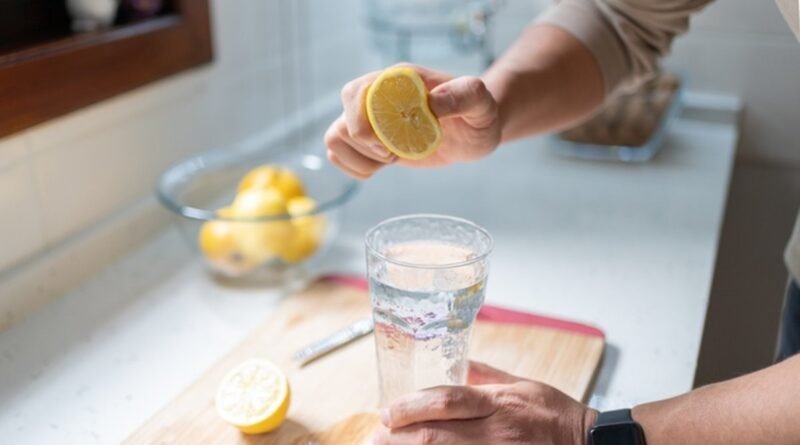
744	47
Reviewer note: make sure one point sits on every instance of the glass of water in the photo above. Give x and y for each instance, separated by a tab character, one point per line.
427	280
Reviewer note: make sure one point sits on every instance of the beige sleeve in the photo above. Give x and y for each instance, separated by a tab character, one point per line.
626	36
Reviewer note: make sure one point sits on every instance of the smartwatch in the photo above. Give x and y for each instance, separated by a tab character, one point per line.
616	428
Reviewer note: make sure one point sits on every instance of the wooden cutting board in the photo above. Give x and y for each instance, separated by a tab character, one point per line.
334	398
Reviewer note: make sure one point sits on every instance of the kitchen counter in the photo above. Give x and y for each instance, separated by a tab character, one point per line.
628	248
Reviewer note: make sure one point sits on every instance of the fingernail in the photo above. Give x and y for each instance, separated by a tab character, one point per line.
379	150
386	418
392	159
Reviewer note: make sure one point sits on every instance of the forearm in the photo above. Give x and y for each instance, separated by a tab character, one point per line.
758	408
546	81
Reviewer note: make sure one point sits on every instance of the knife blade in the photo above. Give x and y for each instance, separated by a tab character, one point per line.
334	341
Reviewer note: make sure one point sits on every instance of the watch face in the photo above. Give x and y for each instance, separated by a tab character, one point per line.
623	434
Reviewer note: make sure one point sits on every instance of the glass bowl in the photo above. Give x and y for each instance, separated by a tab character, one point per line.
196	188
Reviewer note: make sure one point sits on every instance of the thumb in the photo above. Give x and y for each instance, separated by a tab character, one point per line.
466	97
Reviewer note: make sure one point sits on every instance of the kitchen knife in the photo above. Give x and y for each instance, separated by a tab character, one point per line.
334	341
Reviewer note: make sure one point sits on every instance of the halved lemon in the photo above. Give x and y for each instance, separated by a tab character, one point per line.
254	396
398	111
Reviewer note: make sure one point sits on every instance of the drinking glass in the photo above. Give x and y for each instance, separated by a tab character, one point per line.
427	280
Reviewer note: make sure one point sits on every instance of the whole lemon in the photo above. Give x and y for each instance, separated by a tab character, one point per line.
218	242
257	203
260	240
309	230
281	179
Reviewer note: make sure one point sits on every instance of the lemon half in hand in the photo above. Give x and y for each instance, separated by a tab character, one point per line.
398	111
254	397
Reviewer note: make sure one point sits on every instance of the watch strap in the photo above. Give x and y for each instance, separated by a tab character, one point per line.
613	421
614	417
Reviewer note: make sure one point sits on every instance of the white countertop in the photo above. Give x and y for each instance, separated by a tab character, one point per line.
627	248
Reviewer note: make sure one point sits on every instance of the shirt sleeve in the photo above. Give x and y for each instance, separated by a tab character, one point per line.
627	37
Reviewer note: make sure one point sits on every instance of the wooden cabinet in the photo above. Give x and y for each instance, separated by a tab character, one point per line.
46	70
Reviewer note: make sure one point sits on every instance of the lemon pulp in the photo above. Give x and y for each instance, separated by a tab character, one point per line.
398	111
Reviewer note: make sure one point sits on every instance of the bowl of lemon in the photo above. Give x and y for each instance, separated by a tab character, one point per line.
257	213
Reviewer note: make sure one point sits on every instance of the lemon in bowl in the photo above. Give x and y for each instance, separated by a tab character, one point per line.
257	213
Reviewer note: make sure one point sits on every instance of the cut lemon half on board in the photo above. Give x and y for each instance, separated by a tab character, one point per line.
398	111
254	397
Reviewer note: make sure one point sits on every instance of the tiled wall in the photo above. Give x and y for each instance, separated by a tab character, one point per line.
745	47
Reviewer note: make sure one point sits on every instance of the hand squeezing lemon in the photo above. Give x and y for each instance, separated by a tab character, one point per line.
398	111
414	116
